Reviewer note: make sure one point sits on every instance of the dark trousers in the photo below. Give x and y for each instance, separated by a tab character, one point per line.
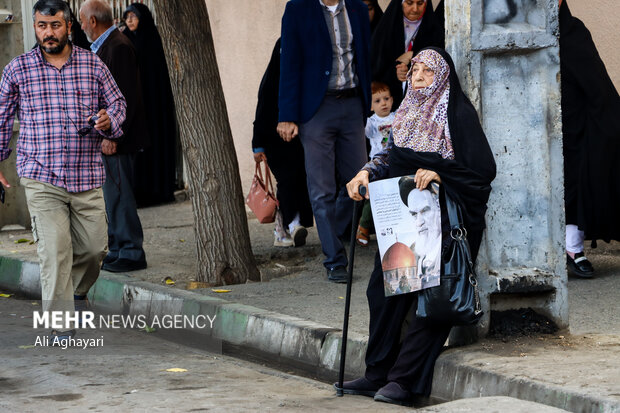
333	142
409	362
124	228
401	347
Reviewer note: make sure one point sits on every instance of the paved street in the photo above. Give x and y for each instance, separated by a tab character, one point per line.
129	374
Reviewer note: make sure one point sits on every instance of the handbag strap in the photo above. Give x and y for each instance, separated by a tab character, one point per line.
268	181
455	216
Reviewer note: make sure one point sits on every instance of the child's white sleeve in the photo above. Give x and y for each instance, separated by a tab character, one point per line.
370	126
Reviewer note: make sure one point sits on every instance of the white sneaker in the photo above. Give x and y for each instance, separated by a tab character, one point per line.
282	241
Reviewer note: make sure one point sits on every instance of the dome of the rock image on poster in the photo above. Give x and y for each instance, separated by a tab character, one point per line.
398	256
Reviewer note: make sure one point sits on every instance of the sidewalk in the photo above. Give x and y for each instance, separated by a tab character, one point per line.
294	316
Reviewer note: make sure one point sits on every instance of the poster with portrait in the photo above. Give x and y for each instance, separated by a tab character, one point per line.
408	226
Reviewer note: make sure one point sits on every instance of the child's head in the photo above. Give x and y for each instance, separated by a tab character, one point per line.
381	99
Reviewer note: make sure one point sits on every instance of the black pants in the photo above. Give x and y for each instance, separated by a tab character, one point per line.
408	360
124	228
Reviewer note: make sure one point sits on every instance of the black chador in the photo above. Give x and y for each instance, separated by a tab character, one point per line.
388	43
591	129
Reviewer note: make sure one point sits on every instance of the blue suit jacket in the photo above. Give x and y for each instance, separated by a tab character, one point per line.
306	59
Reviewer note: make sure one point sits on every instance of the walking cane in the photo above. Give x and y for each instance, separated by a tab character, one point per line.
347	304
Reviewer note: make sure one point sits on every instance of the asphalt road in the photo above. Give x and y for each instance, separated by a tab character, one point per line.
129	373
136	371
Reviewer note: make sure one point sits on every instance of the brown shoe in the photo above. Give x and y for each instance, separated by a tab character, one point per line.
363	236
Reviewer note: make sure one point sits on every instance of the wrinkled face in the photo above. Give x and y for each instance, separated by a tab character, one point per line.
382	103
371	10
52	32
132	21
87	27
414	9
421	75
427	220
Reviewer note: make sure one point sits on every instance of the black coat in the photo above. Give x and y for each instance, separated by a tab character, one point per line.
155	171
119	55
388	43
591	129
285	159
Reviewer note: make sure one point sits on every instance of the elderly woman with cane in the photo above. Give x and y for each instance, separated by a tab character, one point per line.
436	136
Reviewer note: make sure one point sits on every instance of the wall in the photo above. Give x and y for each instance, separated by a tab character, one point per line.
244	39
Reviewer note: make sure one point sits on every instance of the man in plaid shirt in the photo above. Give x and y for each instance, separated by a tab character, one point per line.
55	89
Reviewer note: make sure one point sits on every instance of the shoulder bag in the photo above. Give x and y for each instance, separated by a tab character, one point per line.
455	300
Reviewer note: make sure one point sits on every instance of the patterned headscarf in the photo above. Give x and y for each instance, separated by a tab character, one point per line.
421	121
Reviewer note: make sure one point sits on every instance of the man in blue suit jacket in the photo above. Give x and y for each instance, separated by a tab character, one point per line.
325	99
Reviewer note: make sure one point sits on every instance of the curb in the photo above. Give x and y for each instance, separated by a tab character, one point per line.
305	345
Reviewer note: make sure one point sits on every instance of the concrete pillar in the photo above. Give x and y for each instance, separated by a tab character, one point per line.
507	57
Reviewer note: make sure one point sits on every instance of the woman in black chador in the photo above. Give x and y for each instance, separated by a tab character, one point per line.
406	25
375	12
286	160
591	129
436	136
155	179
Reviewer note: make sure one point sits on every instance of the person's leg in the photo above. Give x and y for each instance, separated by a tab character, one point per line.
50	217
574	240
124	227
89	236
318	137
575	257
387	315
365	225
414	366
350	156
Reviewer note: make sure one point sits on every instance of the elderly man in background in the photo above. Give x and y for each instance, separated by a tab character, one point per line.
117	52
56	88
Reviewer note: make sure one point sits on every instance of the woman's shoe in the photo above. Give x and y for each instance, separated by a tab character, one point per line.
299	235
282	240
363	236
580	265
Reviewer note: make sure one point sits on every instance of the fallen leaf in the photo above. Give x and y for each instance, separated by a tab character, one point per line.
181	240
22	240
342	298
176	370
5	295
193	285
168	281
215	290
34	303
149	329
24	347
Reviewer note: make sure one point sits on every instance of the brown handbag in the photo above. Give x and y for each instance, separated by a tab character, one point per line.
261	199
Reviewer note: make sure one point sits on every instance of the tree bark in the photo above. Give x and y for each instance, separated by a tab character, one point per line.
222	236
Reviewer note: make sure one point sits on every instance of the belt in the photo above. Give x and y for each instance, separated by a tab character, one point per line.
343	93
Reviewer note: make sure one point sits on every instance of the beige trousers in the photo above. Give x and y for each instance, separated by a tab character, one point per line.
71	233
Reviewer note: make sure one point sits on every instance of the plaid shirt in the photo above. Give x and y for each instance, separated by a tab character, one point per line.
52	106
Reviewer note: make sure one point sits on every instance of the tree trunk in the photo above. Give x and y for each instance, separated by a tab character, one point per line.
222	236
